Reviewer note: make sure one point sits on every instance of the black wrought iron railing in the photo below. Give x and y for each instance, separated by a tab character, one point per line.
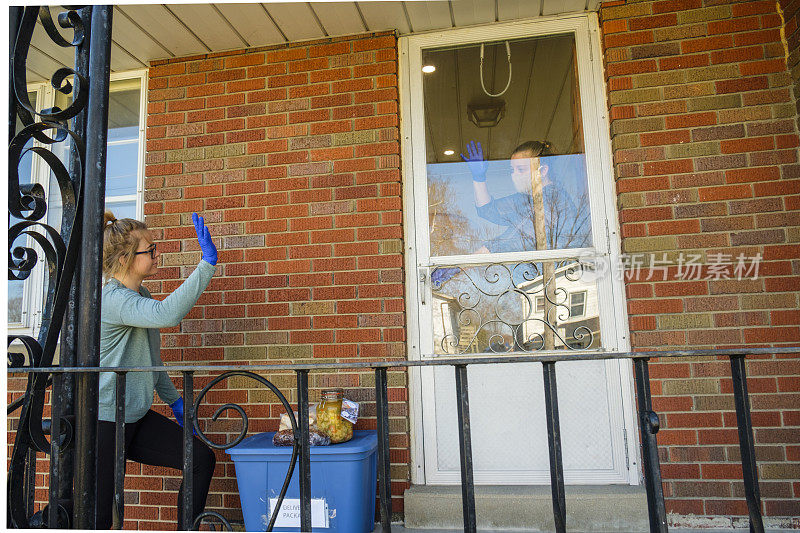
648	424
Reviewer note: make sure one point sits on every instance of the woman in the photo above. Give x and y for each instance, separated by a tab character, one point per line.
129	336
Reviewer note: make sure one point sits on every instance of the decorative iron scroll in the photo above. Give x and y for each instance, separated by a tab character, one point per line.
243	432
28	204
494	307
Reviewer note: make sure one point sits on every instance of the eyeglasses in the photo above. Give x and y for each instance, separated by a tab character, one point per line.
151	251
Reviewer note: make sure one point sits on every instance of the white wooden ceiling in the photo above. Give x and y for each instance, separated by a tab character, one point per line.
143	33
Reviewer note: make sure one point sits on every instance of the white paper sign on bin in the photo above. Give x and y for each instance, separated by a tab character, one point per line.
289	515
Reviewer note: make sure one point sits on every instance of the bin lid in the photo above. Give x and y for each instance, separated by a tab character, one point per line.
261	444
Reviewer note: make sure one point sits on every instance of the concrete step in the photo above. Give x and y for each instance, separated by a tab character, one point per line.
605	508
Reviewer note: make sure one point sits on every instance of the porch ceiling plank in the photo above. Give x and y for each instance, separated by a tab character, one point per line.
40	66
40	39
339	18
159	22
518	9
252	22
384	16
469	12
204	21
136	40
563	6
296	21
426	16
122	59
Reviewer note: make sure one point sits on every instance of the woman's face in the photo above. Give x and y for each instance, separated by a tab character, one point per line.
145	264
521	164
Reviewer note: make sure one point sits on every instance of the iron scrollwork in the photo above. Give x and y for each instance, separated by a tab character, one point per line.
28	205
243	432
505	308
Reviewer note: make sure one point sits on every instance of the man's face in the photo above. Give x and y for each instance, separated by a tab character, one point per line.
521	165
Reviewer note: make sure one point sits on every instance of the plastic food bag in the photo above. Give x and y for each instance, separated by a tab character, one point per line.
312	418
285	436
315	437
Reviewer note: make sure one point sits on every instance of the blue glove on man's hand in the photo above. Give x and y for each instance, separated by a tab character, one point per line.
475	162
177	410
204	238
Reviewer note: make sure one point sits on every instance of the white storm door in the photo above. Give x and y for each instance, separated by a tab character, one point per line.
520	264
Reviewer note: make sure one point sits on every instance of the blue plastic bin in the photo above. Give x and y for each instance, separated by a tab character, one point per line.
343	482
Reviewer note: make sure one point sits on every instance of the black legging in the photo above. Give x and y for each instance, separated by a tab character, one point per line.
153	440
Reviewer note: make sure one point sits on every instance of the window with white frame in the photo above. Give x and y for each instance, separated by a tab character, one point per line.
124	182
577	304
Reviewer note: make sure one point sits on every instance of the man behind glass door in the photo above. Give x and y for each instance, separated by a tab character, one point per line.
517	212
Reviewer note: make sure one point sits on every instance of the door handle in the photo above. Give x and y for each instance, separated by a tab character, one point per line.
423	277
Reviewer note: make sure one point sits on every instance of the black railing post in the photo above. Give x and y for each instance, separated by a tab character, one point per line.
305	452
554	447
73	227
648	426
465	449
56	464
118	511
384	459
188	452
746	443
92	249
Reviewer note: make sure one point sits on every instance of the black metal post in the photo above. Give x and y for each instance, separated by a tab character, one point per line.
89	312
648	426
30	481
554	446
305	452
188	452
746	443
119	453
384	459
69	330
55	452
465	449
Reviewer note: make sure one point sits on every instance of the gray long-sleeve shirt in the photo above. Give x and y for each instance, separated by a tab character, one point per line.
129	336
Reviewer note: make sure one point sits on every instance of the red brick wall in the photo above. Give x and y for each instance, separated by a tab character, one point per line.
705	143
291	153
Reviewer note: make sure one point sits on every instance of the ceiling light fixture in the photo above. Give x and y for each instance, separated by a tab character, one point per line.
486	115
427	69
449	152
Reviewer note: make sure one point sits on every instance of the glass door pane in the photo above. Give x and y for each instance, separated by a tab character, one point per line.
507	173
524	186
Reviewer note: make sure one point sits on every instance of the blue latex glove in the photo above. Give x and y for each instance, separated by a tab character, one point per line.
475	162
204	238
177	410
441	275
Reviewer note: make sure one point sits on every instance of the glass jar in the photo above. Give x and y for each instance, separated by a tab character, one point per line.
329	417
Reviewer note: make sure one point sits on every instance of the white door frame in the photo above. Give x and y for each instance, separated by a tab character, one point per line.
596	129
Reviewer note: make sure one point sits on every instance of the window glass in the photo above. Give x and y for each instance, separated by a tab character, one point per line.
123	139
122	209
16	292
122	172
577	304
506	172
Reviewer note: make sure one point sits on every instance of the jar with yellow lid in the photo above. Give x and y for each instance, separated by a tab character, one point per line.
329	417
